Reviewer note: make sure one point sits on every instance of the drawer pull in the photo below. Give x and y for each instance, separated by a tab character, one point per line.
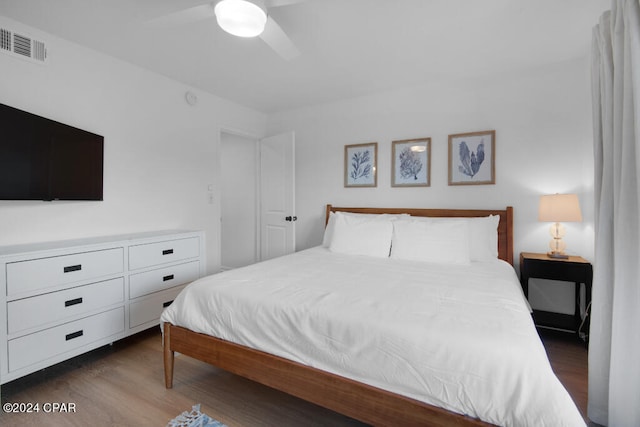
167	278
73	335
71	302
167	252
71	268
167	304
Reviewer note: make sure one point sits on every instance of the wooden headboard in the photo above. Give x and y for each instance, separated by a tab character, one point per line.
505	226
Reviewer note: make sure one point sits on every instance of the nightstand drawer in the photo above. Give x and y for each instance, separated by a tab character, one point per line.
31	312
148	255
24	277
149	309
34	348
554	270
163	278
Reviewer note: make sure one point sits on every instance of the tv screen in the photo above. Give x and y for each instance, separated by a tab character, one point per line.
41	159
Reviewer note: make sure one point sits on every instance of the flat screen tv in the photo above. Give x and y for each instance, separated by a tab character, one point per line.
41	159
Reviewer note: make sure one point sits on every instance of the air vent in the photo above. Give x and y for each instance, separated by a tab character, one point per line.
22	46
39	52
5	39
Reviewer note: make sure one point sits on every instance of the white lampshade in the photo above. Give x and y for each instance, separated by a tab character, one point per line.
240	17
559	208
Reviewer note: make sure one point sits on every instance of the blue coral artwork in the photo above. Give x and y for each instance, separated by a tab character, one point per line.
360	165
472	158
411	160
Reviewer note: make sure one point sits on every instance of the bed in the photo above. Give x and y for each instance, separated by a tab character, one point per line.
456	347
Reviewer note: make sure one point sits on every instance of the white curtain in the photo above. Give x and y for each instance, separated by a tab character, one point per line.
614	348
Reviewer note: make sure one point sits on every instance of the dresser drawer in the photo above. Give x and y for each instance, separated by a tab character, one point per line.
150	308
43	273
163	278
150	254
36	311
37	347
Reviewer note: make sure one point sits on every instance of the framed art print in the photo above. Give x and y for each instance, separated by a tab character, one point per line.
360	162
472	158
411	163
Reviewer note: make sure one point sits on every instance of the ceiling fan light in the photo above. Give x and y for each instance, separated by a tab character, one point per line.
240	18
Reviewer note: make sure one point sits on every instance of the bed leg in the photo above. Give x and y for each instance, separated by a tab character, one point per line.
168	356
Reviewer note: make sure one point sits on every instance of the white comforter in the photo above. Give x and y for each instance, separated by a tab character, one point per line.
458	337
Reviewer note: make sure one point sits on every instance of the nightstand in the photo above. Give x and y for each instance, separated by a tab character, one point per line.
574	269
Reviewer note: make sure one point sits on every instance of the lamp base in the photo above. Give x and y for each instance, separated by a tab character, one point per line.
557	255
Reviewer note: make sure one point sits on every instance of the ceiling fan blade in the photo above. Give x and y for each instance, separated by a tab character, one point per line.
277	39
185	16
278	3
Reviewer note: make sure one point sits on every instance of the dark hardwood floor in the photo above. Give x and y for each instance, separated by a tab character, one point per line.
568	356
122	385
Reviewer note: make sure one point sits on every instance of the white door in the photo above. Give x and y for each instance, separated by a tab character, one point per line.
277	204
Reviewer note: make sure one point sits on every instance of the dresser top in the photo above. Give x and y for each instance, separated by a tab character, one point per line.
87	241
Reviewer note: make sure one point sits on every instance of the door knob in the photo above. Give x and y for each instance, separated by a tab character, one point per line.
291	218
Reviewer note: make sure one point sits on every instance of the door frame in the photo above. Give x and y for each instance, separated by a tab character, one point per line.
256	141
258	199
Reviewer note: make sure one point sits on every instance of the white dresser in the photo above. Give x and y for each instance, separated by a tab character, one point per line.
62	299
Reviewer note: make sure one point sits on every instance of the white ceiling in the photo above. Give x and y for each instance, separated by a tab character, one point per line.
349	47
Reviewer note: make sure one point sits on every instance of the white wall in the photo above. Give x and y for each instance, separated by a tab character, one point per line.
160	153
239	172
542	120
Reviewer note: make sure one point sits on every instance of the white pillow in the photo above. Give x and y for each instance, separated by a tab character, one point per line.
329	229
483	234
431	241
483	237
356	235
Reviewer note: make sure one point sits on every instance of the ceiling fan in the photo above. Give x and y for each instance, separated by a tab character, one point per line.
242	18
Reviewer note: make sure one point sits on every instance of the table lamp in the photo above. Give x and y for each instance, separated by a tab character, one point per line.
558	208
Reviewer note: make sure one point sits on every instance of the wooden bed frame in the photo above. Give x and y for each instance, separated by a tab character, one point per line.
354	399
